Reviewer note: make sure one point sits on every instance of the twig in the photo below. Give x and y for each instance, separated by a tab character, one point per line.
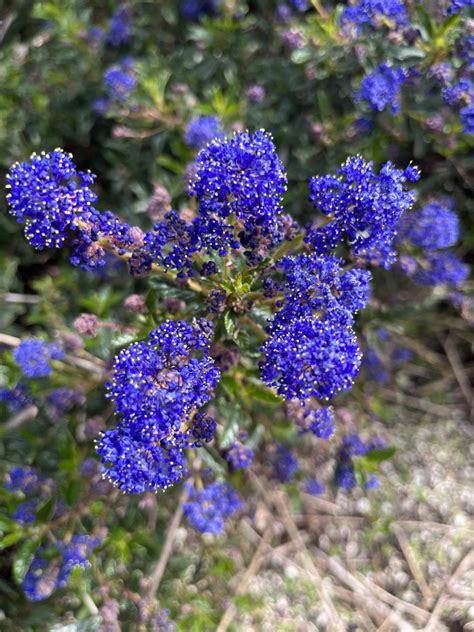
255	564
160	567
458	370
26	414
13	297
9	341
282	508
443	597
413	563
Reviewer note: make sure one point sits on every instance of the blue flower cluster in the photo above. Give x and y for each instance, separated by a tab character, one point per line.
45	575
158	385
455	6
201	130
194	10
54	201
381	88
351	447
376	13
362	206
313	487
434	227
312	350
239	456
32	488
239	179
34	356
207	508
431	230
120	29
462	94
120	80
385	355
15	398
285	464
62	399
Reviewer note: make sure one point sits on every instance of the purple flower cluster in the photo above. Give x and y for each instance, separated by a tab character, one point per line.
207	508
45	575
239	456
362	206
313	487
201	130
381	88
158	385
442	268
194	10
455	6
62	399
34	356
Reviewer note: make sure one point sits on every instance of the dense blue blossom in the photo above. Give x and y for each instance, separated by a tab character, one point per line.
207	508
313	487
26	480
321	422
285	464
442	268
363	206
316	285
136	463
352	446
201	130
48	195
460	93
240	177
435	226
376	12
120	27
467	119
15	398
381	88
311	358
195	9
120	80
46	573
62	399
34	356
457	5
28	485
158	384
239	456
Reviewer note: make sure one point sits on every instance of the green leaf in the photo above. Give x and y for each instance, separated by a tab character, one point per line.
380	454
11	538
263	394
229	325
45	512
23	559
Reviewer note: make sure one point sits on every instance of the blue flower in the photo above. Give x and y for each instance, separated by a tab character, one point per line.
460	93
207	508
311	358
313	487
381	88
120	80
120	27
49	196
442	268
34	355
434	227
47	573
285	464
455	6
363	206
239	456
467	119
240	177
376	12
201	130
195	9
15	398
